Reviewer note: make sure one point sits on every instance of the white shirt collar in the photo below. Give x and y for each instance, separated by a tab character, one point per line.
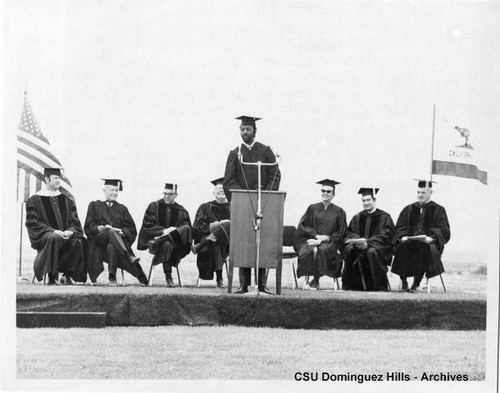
249	147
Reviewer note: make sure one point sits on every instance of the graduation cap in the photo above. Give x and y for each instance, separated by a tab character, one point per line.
424	183
368	191
171	186
328	182
248	120
52	171
219	180
114	182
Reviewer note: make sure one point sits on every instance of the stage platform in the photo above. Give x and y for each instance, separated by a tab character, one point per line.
135	305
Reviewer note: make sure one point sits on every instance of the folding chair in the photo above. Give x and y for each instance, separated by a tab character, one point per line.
428	287
150	283
198	281
335	279
288	237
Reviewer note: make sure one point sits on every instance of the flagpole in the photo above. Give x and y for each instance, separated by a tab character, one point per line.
433	130
21	241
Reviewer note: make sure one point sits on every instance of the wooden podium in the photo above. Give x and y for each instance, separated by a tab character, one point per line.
243	244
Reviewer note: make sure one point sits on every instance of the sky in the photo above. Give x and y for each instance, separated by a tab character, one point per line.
148	91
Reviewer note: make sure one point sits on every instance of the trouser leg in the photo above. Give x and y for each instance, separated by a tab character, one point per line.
245	276
262	277
116	240
404	283
111	257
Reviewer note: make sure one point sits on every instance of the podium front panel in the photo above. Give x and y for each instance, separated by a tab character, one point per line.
243	235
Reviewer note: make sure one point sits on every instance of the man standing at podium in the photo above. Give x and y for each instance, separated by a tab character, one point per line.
320	235
245	177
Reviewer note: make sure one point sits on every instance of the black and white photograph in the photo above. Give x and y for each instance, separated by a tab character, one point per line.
216	196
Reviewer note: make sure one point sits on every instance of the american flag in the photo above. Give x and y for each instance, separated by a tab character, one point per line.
33	155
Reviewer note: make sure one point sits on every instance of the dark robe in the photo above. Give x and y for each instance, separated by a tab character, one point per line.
170	249
320	221
44	214
413	258
118	216
210	256
245	177
368	266
242	177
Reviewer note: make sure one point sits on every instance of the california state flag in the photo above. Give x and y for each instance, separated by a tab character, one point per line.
456	152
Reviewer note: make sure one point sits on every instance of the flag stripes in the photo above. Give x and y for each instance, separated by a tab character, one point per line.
34	154
468	171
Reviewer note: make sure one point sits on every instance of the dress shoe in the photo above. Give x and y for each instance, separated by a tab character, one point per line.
220	283
242	289
133	260
170	282
112	282
313	285
404	287
265	289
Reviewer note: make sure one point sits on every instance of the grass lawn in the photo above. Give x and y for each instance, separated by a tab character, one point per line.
179	352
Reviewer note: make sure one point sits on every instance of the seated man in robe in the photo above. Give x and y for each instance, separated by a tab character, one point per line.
422	231
368	252
211	235
55	232
166	232
111	231
319	237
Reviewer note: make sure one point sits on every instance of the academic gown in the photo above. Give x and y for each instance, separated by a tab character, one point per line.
241	177
245	177
118	216
210	257
320	221
378	229
412	258
159	216
44	214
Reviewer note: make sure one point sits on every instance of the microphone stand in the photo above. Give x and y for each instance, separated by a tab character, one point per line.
258	215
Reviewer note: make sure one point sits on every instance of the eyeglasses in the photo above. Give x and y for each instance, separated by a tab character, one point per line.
169	193
326	191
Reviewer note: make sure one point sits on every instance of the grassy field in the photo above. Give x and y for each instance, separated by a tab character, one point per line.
242	353
229	353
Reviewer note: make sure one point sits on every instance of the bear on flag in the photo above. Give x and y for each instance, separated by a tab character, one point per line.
456	156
